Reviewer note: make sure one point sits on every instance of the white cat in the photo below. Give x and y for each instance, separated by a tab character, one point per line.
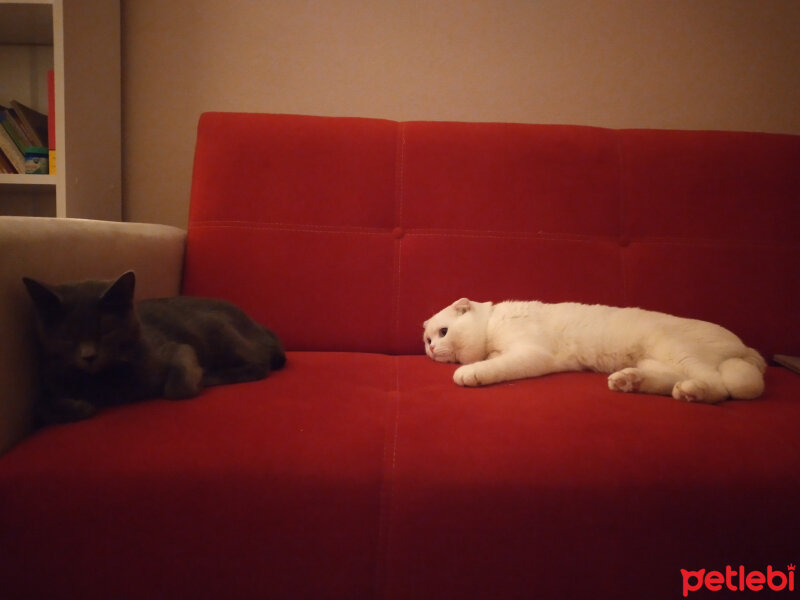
644	351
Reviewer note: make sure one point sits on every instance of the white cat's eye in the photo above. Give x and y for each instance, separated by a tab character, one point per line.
428	340
443	332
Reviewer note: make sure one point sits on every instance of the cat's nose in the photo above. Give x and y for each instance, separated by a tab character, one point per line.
87	352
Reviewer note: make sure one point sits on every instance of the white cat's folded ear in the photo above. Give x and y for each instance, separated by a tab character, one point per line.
462	305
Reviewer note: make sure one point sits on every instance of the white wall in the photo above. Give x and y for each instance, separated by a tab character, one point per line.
685	64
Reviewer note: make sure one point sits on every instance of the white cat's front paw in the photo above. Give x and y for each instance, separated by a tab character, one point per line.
467	376
627	380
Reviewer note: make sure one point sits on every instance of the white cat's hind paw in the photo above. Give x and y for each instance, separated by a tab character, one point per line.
690	390
466	376
627	380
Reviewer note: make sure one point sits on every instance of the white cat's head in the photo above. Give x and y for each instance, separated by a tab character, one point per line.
457	334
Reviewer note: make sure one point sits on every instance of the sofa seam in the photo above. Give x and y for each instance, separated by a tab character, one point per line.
624	223
275	226
474	233
490	234
387	490
398	224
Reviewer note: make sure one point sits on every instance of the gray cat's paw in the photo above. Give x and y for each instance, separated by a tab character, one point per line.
64	410
184	383
185	377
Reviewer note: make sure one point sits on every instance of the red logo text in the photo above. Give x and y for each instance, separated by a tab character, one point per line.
738	580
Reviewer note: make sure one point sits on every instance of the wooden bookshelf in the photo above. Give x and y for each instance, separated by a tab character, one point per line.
25	180
80	41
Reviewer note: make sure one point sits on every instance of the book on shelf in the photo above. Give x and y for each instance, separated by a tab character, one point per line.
11	151
22	130
32	122
10	122
6	167
51	119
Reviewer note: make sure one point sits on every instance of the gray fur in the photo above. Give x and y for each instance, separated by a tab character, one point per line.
99	348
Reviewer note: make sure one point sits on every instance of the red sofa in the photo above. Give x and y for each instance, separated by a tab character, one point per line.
361	470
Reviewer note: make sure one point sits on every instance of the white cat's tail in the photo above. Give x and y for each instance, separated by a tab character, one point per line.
744	377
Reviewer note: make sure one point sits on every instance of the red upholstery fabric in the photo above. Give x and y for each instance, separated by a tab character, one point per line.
263	490
559	488
362	470
372	476
700	224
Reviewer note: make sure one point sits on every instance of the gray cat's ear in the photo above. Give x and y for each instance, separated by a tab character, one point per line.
44	299
120	293
462	305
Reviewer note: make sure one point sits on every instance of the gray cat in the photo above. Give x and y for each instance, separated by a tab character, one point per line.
99	348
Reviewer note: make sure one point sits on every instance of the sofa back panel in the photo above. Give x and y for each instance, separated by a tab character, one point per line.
345	234
317	290
290	218
752	289
437	269
711	185
713	219
537	179
294	170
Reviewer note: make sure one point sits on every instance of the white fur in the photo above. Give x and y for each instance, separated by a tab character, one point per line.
644	351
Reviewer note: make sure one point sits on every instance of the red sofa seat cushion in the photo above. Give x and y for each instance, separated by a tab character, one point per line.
371	476
270	489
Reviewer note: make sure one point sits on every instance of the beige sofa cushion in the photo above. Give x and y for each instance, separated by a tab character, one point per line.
58	250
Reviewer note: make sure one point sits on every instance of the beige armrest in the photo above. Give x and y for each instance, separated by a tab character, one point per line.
59	250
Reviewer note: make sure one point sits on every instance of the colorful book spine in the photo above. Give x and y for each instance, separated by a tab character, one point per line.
51	120
11	151
8	121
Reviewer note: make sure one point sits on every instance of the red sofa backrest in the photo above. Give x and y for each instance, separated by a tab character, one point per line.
345	234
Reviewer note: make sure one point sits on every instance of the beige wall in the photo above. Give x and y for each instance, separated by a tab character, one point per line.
687	64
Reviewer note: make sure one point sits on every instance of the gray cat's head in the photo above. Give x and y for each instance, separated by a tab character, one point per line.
457	333
85	325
